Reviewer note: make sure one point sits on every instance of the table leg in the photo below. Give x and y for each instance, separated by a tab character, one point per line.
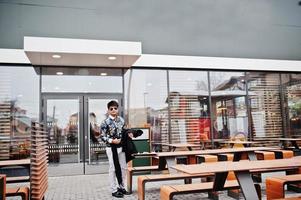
189	148
252	155
219	181
237	156
173	148
247	185
171	162
162	163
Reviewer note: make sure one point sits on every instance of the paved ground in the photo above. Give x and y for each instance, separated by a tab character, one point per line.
96	187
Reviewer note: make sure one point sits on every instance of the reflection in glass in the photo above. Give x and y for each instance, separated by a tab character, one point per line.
229	105
292	103
148	105
63	130
97	154
189	106
265	106
19	105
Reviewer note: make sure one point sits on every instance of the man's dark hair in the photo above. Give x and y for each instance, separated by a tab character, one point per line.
112	103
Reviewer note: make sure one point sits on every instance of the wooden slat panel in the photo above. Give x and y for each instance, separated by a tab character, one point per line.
39	162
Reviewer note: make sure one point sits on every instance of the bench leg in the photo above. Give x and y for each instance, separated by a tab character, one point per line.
141	187
129	180
274	189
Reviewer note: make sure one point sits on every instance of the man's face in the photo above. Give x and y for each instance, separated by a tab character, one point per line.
113	110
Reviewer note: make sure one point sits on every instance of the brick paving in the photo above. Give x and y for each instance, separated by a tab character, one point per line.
96	187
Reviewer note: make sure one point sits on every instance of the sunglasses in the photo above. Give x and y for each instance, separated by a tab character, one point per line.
113	108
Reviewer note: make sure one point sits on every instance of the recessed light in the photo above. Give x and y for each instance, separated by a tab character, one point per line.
112	58
56	56
59	73
103	74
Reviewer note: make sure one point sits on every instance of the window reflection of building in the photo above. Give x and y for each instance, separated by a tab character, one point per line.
228	104
292	103
147	106
19	105
265	105
189	106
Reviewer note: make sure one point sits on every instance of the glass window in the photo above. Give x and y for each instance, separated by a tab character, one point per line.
189	106
147	91
265	105
19	105
228	97
83	80
291	84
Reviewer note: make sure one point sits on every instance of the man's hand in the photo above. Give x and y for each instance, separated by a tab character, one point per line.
131	135
116	141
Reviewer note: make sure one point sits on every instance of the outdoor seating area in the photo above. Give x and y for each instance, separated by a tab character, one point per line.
214	165
31	171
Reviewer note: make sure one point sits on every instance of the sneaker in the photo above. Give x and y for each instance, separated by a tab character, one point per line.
123	191
117	194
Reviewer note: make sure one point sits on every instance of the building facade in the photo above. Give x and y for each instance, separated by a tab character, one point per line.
176	68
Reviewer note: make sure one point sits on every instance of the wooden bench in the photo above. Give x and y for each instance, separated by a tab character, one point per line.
265	155
17	179
132	170
11	192
275	185
280	154
142	180
206	158
19	191
168	191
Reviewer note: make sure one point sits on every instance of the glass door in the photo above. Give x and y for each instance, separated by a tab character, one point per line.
95	150
73	122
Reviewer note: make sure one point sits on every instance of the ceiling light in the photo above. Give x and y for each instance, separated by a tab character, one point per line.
103	74
59	73
112	58
56	56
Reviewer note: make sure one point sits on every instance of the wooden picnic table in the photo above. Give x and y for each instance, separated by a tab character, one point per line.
6	164
181	145
169	157
283	142
242	170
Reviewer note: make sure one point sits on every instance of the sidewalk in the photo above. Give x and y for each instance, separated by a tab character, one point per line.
96	187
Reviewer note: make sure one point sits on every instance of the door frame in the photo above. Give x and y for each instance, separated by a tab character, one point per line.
83	114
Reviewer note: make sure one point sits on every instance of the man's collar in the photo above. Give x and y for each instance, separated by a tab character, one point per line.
111	117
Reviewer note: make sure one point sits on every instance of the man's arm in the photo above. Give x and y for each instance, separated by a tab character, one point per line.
103	133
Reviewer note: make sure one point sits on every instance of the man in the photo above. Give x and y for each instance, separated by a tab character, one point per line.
111	134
